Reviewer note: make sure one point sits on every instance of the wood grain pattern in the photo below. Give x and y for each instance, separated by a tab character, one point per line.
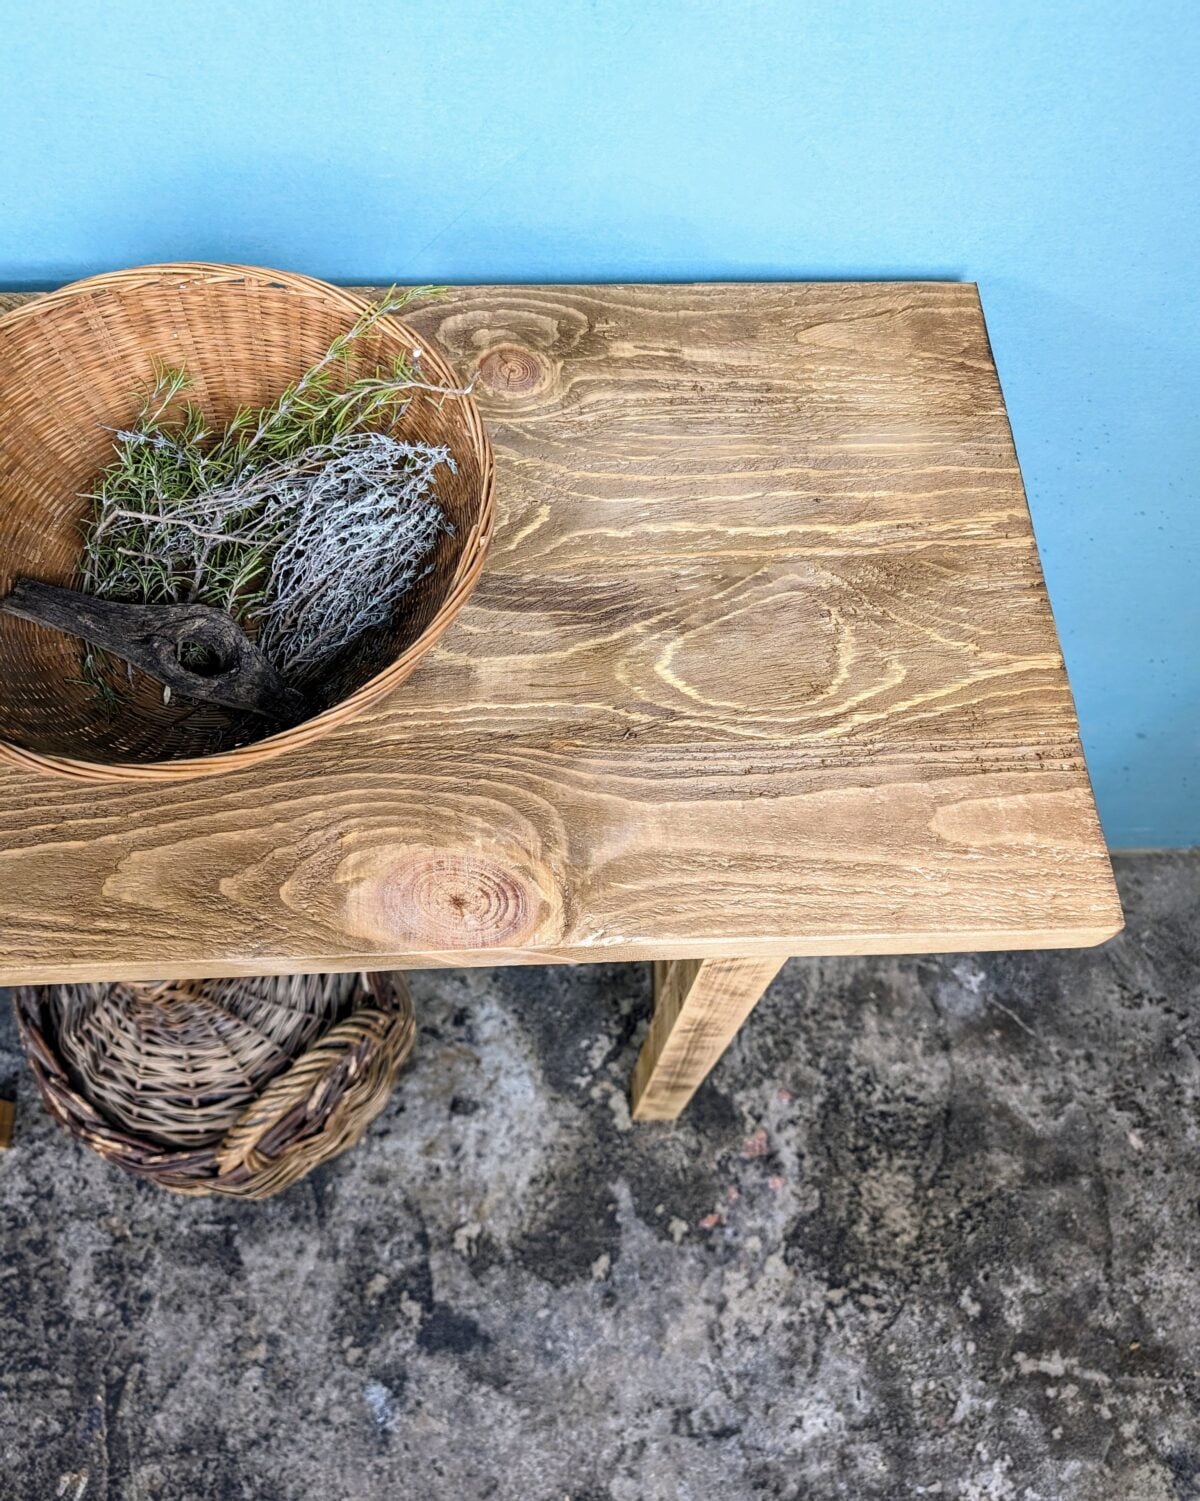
8	1112
698	1007
761	663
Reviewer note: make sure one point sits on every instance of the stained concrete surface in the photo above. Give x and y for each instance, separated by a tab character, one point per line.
930	1230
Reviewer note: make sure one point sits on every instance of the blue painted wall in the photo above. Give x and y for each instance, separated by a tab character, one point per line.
1047	151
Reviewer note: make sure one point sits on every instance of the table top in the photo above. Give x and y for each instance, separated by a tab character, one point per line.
761	662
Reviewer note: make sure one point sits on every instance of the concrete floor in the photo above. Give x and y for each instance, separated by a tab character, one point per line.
931	1230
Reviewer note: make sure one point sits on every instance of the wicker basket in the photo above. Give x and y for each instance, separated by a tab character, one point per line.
70	364
218	1086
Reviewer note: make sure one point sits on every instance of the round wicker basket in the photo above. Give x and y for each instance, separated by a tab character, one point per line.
233	1087
70	365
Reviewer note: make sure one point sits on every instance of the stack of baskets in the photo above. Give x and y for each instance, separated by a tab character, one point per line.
219	1086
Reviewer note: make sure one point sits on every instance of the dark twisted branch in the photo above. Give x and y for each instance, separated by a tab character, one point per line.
197	651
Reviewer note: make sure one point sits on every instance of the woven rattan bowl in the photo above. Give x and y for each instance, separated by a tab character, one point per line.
70	365
218	1086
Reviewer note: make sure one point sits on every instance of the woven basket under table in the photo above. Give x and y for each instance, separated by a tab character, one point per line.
218	1086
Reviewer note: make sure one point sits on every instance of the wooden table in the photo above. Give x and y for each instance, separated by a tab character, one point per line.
761	664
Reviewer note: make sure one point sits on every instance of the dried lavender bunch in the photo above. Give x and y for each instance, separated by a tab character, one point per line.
363	513
298	516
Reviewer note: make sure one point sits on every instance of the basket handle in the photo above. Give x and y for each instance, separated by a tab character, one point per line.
325	1089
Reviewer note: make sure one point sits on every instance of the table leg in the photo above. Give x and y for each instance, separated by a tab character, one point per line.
699	1004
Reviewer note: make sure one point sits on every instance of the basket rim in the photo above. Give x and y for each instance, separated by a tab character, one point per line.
470	560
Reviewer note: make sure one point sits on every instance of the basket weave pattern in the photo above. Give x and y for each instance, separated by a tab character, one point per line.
234	1087
70	366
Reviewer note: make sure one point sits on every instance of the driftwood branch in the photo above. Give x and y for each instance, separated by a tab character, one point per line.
195	650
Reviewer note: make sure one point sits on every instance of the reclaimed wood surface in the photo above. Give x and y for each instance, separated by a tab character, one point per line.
761	663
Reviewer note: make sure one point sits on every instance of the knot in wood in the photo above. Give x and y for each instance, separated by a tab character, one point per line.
459	901
513	369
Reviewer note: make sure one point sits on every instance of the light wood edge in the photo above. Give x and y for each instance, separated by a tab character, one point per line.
834	946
